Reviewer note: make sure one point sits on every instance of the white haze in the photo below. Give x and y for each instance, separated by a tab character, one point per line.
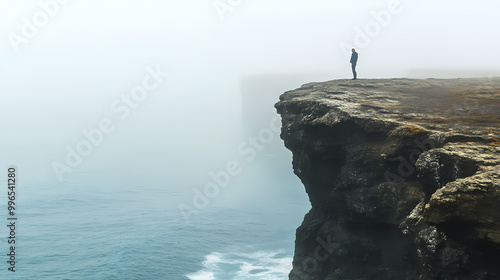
67	76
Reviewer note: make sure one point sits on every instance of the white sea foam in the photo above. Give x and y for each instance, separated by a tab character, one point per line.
201	275
212	259
238	266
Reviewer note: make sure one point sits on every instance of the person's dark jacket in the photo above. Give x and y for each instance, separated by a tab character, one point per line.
354	58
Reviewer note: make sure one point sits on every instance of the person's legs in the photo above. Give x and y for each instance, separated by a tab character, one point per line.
354	71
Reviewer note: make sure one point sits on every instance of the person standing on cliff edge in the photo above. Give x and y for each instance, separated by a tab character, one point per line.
354	60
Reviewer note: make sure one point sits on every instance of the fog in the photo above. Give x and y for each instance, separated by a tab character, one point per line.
67	66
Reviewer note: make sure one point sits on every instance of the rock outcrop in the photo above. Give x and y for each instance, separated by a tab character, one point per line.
403	177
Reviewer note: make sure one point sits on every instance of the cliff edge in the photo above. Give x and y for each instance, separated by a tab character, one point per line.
403	176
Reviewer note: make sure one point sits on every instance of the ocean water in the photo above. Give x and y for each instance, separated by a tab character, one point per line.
126	232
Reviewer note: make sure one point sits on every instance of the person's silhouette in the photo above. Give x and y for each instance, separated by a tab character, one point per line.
354	60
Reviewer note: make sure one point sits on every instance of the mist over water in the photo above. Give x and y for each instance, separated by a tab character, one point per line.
172	93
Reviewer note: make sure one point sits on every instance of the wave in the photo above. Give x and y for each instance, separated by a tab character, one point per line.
238	266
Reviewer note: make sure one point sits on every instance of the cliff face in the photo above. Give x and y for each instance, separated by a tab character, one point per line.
403	177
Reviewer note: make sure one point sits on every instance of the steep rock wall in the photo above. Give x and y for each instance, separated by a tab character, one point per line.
403	177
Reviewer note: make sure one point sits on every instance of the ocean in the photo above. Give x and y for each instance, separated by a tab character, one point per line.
127	232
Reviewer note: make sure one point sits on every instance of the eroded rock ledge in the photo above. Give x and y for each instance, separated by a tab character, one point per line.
403	177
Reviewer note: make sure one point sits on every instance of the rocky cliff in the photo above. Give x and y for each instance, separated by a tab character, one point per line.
403	177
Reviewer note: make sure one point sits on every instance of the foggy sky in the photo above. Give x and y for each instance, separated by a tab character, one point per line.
89	53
